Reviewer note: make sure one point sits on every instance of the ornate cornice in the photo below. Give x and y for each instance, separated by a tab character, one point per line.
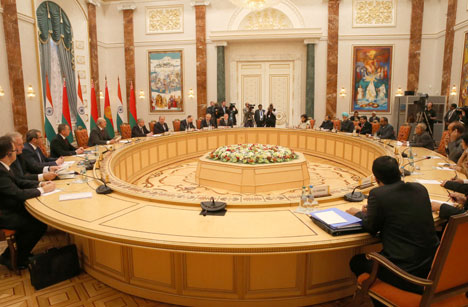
94	2
200	2
127	6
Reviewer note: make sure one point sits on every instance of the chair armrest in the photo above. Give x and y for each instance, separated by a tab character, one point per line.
381	260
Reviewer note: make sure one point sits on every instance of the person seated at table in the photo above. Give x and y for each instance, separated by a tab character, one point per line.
35	160
13	192
446	210
187	124
355	117
161	126
422	137
327	124
19	165
401	212
225	121
374	118
364	126
346	124
454	148
140	129
99	135
386	131
304	124
208	122
60	146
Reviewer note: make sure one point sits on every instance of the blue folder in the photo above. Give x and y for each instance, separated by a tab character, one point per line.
351	221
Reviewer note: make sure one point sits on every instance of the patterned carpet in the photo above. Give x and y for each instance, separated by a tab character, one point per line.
80	291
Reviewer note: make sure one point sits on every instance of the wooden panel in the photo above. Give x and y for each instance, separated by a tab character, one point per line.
145	158
241	138
293	141
311	143
348	152
363	162
221	139
320	144
162	152
339	149
273	138
182	147
356	154
108	258
192	145
201	143
330	147
370	159
212	142
171	150
284	140
262	138
252	138
231	139
302	142
151	268
129	164
153	155
123	169
136	162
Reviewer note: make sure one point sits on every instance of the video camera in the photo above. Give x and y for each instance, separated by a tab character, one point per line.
421	102
250	106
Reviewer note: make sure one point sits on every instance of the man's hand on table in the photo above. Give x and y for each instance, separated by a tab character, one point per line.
353	210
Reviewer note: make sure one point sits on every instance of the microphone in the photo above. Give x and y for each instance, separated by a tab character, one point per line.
354	197
407	172
102	189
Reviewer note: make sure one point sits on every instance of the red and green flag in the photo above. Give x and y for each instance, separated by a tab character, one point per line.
120	107
94	109
81	111
108	114
49	122
132	105
66	119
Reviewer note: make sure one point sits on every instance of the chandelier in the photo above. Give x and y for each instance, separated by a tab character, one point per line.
256	5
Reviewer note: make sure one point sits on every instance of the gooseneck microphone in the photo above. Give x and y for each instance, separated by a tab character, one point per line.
102	189
406	172
354	197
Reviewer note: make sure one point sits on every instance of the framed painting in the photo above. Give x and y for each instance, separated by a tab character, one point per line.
372	68
165	81
464	75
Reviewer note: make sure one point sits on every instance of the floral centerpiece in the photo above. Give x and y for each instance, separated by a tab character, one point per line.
253	154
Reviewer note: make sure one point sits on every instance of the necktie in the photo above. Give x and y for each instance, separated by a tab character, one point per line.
38	155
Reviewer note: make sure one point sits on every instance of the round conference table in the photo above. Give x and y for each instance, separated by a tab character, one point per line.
154	243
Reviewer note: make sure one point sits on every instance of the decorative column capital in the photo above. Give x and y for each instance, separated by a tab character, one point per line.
220	44
94	2
308	41
200	2
127	6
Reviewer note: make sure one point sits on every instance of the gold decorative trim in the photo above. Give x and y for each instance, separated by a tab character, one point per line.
164	19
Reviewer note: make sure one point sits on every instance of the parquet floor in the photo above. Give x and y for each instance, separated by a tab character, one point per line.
80	291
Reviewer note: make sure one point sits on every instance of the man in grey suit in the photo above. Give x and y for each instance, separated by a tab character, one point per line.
454	148
422	137
386	131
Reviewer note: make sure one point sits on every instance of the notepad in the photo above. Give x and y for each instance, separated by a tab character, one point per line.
330	217
426	181
75	196
441	168
53	192
443	202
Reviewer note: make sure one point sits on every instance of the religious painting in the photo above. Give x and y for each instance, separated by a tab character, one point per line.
464	75
165	81
372	67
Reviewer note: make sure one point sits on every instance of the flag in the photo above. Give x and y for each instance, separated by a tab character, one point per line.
120	107
49	122
94	109
133	113
108	114
66	119
80	108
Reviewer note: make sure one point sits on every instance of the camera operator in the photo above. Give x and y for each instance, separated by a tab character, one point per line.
249	115
431	116
452	115
233	113
271	116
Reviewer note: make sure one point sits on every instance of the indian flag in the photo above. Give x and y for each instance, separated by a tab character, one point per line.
80	108
49	122
120	107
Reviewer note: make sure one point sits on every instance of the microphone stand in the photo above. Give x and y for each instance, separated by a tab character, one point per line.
406	172
102	189
354	197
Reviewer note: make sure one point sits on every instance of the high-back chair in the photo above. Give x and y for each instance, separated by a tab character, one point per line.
312	123
198	124
125	131
337	124
441	148
176	125
81	136
404	133
375	127
151	126
447	283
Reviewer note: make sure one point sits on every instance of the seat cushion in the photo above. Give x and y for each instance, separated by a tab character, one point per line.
403	298
8	232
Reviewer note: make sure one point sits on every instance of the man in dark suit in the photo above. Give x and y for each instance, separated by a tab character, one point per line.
225	121
327	124
140	129
60	146
99	135
260	117
161	126
223	109
211	109
401	212
19	165
346	124
454	146
187	124
35	160
374	118
208	122
13	192
422	137
364	126
451	115
386	131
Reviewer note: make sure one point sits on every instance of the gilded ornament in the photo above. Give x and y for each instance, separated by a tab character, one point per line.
373	12
164	19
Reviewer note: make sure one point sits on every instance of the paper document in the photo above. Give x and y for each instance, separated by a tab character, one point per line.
443	202
425	181
125	141
330	217
75	196
445	164
432	157
53	192
398	143
441	168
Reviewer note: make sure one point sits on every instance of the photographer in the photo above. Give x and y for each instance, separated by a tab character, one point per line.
431	116
452	115
271	116
249	115
233	114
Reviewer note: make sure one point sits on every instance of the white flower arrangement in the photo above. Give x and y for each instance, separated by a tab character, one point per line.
253	154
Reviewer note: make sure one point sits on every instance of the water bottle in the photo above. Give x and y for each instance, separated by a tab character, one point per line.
303	197
311	202
96	149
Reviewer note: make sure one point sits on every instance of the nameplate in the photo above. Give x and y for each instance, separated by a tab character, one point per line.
75	196
319	191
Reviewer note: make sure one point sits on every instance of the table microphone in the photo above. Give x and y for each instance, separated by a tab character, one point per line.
102	189
354	197
407	172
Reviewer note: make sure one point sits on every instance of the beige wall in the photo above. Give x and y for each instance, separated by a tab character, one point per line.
220	16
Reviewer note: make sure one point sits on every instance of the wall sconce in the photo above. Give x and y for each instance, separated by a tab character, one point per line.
191	94
2	92
30	92
101	95
342	92
399	92
141	95
453	91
